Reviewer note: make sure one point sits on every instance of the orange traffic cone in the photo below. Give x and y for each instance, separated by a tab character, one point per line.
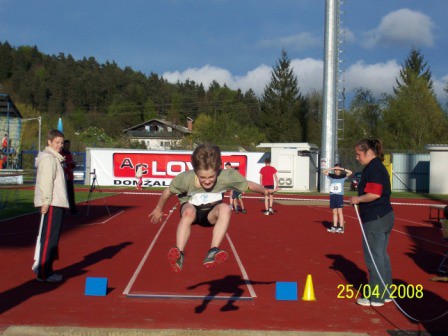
308	293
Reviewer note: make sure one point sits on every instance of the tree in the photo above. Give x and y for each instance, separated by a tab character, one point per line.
95	136
279	103
86	93
149	110
363	120
414	67
413	117
225	132
173	114
446	90
312	124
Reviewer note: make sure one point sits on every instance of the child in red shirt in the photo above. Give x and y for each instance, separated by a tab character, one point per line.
269	179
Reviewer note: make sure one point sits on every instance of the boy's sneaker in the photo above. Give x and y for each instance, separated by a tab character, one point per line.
340	230
176	259
333	229
387	300
266	212
271	211
244	211
52	278
214	257
366	302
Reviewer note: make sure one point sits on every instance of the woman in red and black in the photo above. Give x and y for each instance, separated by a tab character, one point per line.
377	217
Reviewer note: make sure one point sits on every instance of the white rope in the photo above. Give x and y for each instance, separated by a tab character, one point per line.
382	281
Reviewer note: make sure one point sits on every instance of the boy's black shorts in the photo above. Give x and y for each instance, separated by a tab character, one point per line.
202	212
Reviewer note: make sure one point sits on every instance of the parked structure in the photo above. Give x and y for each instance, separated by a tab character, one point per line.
159	134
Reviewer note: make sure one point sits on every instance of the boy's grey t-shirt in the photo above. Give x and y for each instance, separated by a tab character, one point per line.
186	186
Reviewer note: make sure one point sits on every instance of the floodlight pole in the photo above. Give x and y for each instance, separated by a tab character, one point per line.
329	130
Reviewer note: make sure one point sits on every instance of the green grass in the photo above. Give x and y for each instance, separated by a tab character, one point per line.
16	201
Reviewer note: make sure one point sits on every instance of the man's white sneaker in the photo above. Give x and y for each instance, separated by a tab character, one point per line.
366	302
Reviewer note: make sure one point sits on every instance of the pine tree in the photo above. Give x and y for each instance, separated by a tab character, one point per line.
279	103
414	118
414	67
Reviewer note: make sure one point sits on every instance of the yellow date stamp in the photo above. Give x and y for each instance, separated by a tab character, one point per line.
393	291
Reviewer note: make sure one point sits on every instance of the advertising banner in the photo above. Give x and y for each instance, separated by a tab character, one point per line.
117	167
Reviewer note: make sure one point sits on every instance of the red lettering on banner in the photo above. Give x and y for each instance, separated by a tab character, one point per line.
164	164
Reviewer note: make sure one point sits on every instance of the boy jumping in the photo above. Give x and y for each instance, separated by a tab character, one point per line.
200	192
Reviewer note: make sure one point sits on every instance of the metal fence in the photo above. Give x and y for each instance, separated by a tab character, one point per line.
410	171
27	160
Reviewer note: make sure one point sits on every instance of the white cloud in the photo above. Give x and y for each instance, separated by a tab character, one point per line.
403	27
347	35
205	75
439	85
255	79
379	78
308	71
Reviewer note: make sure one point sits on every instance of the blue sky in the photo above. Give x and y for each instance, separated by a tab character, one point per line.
236	42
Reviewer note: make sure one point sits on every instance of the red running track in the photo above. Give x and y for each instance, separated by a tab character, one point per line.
143	292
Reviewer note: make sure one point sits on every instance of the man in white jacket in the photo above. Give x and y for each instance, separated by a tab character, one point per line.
51	196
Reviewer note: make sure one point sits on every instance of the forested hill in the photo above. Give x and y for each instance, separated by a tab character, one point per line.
87	93
98	101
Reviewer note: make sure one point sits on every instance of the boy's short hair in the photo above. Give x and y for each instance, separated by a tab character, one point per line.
267	160
54	133
206	156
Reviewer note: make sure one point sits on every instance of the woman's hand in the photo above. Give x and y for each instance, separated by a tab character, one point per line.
354	200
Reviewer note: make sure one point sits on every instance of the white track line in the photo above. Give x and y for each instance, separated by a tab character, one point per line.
195	297
243	270
142	262
98	223
180	296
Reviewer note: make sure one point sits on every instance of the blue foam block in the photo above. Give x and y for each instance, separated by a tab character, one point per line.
286	291
96	286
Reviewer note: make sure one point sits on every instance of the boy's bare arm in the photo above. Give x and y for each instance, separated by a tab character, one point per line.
157	213
255	187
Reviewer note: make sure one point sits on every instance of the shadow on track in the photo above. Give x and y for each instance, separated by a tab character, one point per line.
15	296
